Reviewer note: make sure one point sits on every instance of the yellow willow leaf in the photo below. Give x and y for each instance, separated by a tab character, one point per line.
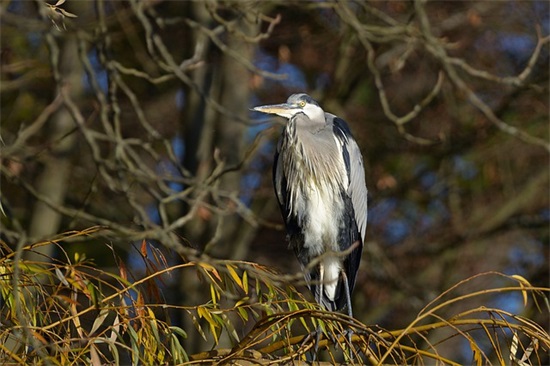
523	283
154	325
213	294
214	332
200	312
234	275
476	353
242	301
304	323
245	282
205	313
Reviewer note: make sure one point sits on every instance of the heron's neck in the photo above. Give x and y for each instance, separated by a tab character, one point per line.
312	154
297	132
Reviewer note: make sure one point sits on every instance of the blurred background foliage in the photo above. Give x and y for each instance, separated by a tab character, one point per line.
134	115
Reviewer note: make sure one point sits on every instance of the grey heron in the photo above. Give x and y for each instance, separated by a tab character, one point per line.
319	181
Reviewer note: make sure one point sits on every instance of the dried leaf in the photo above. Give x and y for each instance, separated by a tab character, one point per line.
211	269
139	306
115	329
159	256
66	13
40	337
94	356
231	331
197	325
123	271
99	320
143	248
61	277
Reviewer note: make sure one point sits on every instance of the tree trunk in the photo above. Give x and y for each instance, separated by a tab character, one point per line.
53	180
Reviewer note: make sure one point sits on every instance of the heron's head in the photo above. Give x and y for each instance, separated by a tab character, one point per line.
296	103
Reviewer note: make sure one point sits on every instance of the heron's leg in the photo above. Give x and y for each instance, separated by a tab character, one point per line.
319	298
350	310
348	295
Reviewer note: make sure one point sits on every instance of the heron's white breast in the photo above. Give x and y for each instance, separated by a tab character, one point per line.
320	226
323	207
317	177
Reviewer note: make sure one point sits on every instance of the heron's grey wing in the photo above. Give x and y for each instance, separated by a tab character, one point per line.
357	189
356	198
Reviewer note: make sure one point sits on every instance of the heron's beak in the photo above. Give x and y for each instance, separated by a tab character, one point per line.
283	110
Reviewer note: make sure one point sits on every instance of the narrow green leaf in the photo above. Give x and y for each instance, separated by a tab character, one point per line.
134	345
114	352
178	352
244	314
178	331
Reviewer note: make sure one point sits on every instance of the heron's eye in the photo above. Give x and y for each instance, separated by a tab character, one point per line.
302	103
